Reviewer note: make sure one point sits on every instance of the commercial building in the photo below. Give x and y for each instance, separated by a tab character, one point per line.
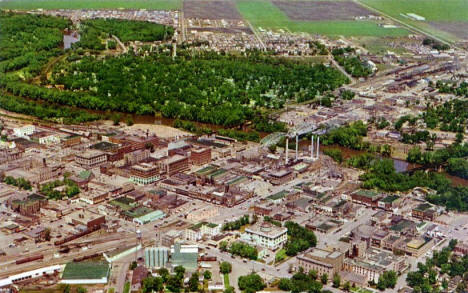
156	257
424	211
461	248
30	205
322	261
150	217
86	273
200	156
91	158
265	235
144	173
26	130
176	164
85	218
118	253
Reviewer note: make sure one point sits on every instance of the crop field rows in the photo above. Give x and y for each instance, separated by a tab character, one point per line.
211	10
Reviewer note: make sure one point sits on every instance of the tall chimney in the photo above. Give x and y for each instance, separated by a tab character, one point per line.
318	146
312	147
297	147
287	147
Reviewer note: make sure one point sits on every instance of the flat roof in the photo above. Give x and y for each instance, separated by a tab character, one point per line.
86	270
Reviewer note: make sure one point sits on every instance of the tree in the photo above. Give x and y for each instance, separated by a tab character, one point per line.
225	267
313	274
229	290
223	246
152	284
81	290
347	286
47	236
174	283
284	284
179	270
193	282
251	283
66	288
164	273
207	275
324	278
133	265
336	280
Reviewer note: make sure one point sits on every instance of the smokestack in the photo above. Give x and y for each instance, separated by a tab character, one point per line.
44	162
312	147
297	147
287	147
318	146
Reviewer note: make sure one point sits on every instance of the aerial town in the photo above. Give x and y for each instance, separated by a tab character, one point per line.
347	171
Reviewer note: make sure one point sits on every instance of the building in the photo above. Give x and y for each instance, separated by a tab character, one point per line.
461	248
144	173
91	158
321	261
185	255
196	232
30	205
424	211
138	274
200	156
118	253
370	271
26	130
280	177
366	197
85	218
47	138
265	235
156	257
150	217
176	164
86	273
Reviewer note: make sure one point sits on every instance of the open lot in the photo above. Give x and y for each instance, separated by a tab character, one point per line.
266	15
321	10
211	9
446	19
91	4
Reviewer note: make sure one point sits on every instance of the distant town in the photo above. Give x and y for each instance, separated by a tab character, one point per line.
346	171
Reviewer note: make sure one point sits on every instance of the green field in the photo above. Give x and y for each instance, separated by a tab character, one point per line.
92	4
85	270
445	11
266	15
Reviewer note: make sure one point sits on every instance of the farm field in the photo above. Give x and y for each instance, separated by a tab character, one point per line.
211	9
446	19
265	14
91	4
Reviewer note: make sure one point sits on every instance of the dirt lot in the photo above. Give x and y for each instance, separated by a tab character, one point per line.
211	9
456	28
321	10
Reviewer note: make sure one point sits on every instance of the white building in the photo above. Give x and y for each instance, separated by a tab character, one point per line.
49	139
23	131
265	235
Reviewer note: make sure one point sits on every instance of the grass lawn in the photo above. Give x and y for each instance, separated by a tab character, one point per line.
226	281
265	14
444	11
92	4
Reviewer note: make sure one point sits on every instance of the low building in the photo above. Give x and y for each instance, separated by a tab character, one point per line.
30	205
265	235
366	197
150	217
461	248
85	218
26	130
322	261
424	211
86	273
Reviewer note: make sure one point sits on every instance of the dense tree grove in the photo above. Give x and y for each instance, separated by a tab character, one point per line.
208	87
387	280
459	90
301	282
28	41
18	182
243	250
237	224
50	189
431	275
130	30
350	62
458	167
348	136
438	157
450	116
251	283
46	111
299	238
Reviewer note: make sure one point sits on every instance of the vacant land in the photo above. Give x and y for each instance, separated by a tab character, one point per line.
211	10
265	14
91	4
321	10
445	19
